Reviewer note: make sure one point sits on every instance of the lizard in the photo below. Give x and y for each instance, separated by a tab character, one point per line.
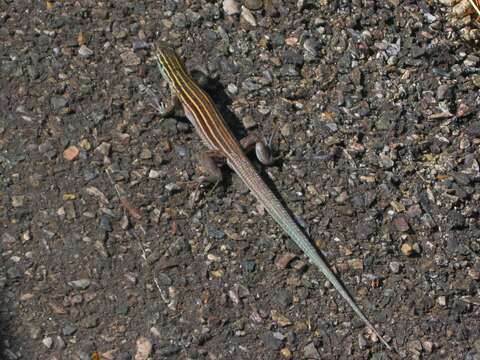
210	125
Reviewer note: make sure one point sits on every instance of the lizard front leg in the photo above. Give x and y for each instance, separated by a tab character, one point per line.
210	173
165	110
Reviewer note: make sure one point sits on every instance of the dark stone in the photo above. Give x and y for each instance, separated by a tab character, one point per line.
364	230
271	341
249	265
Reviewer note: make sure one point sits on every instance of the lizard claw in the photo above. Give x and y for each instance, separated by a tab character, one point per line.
154	102
161	107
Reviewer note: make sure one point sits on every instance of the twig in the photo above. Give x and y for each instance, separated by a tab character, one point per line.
470	300
162	293
134	212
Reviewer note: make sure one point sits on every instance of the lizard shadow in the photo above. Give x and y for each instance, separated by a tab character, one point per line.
222	100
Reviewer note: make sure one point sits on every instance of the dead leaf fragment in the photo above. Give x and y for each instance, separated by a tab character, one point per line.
92	190
133	211
280	319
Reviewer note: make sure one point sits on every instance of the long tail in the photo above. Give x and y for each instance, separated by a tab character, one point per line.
264	194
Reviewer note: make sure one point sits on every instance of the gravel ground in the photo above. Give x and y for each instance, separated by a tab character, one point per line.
106	248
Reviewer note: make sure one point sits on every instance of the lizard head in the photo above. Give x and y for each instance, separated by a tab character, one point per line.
168	61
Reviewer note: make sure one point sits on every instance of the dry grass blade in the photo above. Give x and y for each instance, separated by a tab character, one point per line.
475	6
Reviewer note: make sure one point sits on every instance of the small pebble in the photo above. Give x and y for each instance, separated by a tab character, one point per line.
81	284
407	249
253	4
233	295
34	331
249	265
105	223
71	153
179	20
395	267
85	51
362	342
154	174
140	45
60	343
401	223
144	348
104	148
311	46
415	347
286	353
172	187
85	144
129	58
248	17
286	130
249	122
311	352
18	200
231	7
69	330
476	80
232	89
444	91
280	319
155	331
427	346
364	230
271	341
283	260
145	154
442	300
58	102
48	342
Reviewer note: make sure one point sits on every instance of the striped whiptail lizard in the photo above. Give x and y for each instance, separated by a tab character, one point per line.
215	133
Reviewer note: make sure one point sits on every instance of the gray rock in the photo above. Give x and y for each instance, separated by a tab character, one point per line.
249	265
271	341
311	352
231	7
247	15
253	4
395	267
58	102
179	20
444	91
85	52
364	230
81	284
105	223
140	45
69	330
